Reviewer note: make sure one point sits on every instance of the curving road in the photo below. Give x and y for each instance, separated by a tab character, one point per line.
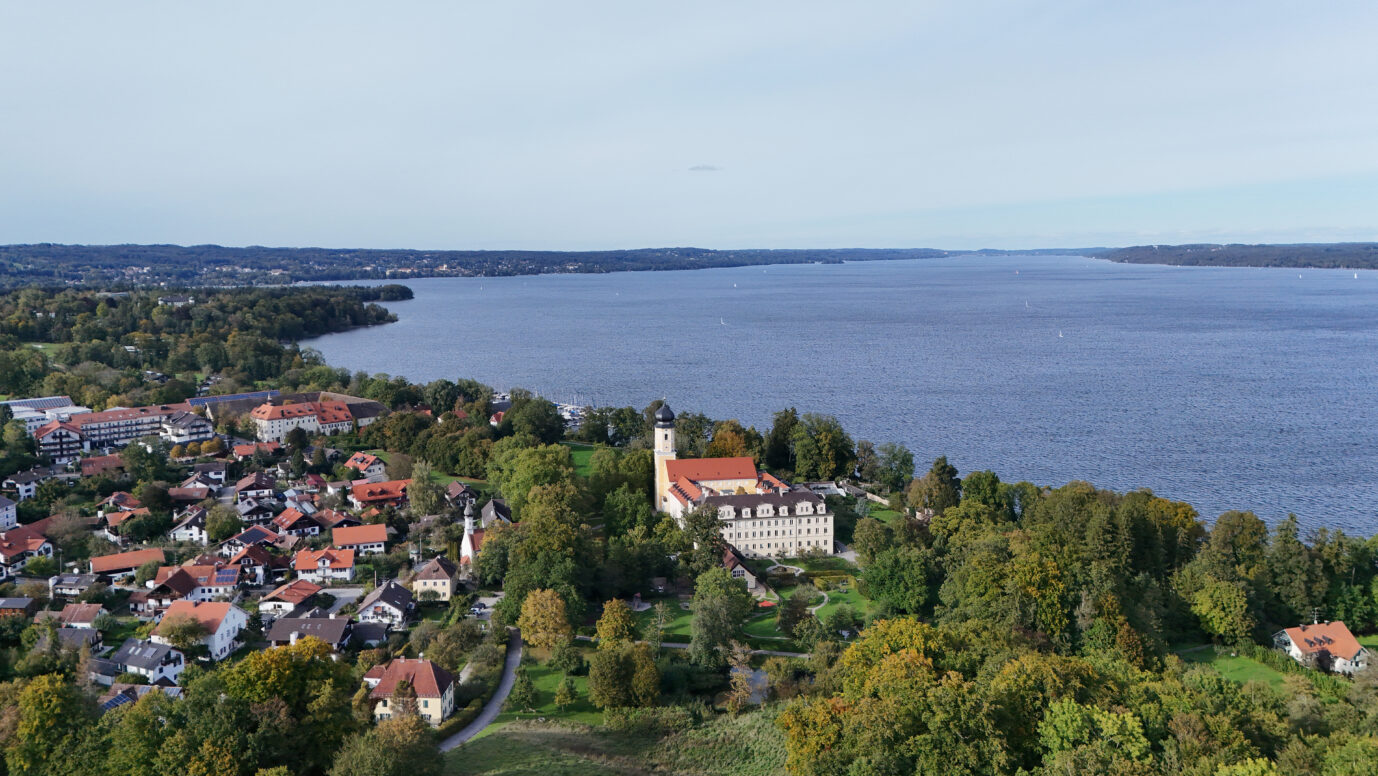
494	706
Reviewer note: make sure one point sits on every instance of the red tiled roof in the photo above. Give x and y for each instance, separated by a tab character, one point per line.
309	560
325	411
370	492
54	425
361	460
79	613
21	539
244	451
712	469
120	500
350	536
427	679
100	463
161	410
188	494
122	561
210	614
1332	637
294	592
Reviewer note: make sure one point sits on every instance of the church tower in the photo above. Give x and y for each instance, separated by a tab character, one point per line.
664	451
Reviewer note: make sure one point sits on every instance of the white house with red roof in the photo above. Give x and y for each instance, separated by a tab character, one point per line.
433	686
369	467
1325	645
222	621
371	539
60	440
18	546
324	566
363	495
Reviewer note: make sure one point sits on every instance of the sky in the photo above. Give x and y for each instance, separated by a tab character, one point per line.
593	125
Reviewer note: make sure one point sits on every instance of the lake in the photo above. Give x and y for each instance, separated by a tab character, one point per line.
1229	388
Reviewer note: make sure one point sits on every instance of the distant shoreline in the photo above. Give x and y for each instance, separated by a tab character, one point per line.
203	266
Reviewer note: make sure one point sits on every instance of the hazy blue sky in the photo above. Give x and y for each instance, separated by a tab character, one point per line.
740	124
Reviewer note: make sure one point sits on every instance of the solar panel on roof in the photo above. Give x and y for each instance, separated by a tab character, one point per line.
225	576
118	700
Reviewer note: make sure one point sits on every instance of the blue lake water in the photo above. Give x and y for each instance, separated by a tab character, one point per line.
1229	388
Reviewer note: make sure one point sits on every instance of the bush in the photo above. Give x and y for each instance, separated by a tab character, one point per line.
656	721
460	720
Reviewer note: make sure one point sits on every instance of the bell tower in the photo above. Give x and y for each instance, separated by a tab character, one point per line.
664	451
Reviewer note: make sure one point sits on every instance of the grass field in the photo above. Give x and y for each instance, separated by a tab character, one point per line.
836	598
677	620
748	745
580	454
1370	641
547	680
1238	669
884	514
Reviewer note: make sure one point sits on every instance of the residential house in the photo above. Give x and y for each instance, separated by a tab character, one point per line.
256	565
222	621
158	663
17	607
185	495
253	535
242	452
496	510
1328	646
73	638
331	629
293	596
433	686
25	484
123	564
369	467
18	546
9	514
115	520
121	693
329	518
369	539
70	585
253	511
439	575
214	470
80	615
96	465
460	495
294	522
324	566
183	428
192	526
388	603
257	486
363	495
737	567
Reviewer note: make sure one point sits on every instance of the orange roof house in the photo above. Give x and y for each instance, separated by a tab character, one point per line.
125	562
392	492
354	536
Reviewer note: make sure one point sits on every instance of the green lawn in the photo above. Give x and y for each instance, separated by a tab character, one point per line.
547	680
1238	669
748	745
836	598
580	453
884	514
677	620
1370	641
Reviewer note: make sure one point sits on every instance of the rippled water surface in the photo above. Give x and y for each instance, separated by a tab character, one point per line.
1228	388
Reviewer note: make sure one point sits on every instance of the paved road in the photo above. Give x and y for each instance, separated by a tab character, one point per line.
343	596
494	706
682	645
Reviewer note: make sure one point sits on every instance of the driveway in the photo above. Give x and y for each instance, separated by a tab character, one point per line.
494	706
343	597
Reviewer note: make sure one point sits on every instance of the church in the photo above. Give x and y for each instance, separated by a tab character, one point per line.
762	515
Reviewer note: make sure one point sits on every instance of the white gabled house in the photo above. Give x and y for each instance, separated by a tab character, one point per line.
324	566
222	621
1328	646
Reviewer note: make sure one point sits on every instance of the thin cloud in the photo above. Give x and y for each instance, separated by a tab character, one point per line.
705	168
